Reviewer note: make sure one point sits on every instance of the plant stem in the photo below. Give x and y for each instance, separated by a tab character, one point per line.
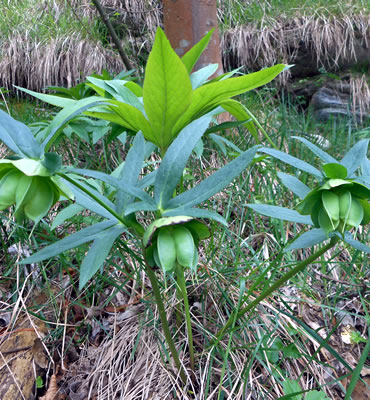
165	325
300	267
182	283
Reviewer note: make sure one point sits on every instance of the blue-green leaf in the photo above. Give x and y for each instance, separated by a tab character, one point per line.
295	185
118	184
355	156
316	150
198	78
66	115
221	142
76	239
68	212
295	162
98	252
18	137
214	183
348	238
131	170
173	163
308	239
285	214
57	101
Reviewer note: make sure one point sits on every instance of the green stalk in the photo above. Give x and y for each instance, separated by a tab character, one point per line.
149	271
300	267
182	284
165	325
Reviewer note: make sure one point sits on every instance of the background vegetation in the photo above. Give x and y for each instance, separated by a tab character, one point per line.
301	338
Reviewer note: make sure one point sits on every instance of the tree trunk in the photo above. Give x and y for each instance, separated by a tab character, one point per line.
186	22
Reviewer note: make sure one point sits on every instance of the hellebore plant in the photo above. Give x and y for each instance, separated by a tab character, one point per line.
339	203
171	97
172	111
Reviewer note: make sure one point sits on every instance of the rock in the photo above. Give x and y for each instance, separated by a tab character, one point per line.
328	103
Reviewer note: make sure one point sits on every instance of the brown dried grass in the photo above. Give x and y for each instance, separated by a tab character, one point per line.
60	61
329	40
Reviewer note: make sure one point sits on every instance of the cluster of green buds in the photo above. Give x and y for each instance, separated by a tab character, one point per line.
339	204
172	241
29	186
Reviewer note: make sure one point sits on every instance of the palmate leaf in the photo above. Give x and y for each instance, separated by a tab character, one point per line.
173	163
167	90
18	137
214	183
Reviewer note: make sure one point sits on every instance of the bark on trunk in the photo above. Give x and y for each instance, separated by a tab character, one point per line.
186	22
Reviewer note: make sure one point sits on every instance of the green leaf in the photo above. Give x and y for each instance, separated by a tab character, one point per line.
295	185
48	98
18	137
132	118
67	114
285	214
98	253
214	183
76	239
316	150
348	238
52	162
68	212
191	57
131	171
209	96
357	372
292	387
88	202
31	167
295	162
198	78
221	142
355	156
335	170
241	113
316	395
308	239
167	90
173	163
196	213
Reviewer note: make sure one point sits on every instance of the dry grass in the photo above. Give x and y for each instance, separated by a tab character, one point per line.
330	40
61	61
